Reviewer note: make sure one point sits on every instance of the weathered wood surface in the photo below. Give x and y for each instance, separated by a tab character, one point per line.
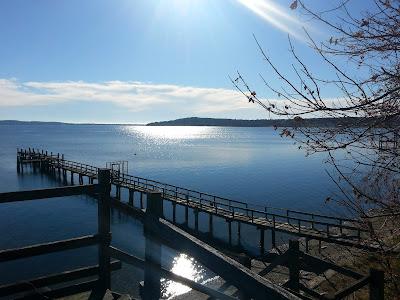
28	285
28	251
47	193
249	282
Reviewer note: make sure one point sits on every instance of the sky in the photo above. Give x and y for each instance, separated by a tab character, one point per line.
136	61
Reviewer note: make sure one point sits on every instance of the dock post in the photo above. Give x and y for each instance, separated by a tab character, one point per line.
186	210
196	219
238	231
229	231
18	163
141	200
273	237
210	224
307	248
294	266
173	212
262	241
104	230
376	284
72	178
131	197
152	270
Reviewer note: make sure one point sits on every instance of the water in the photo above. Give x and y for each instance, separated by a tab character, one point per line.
254	165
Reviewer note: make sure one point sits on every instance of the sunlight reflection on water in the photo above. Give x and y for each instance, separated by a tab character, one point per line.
169	132
184	266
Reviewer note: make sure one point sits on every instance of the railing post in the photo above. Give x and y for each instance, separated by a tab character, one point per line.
376	284
103	213
294	265
152	270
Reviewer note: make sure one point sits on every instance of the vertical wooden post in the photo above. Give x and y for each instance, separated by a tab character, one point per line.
152	270
72	178
173	212
294	265
238	231
376	285
186	210
18	162
196	219
210	224
141	200
104	230
229	231
273	237
131	197
262	241
307	248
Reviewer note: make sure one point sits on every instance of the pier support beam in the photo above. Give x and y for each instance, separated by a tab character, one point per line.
196	219
141	200
152	270
210	224
238	232
173	212
262	241
187	211
131	193
72	178
104	230
294	266
229	231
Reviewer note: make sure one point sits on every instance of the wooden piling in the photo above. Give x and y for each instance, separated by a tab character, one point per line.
131	193
238	231
376	284
141	200
262	241
229	231
104	230
273	235
173	212
294	266
152	270
186	211
210	224
196	219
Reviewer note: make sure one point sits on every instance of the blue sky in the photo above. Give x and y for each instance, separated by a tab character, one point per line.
129	61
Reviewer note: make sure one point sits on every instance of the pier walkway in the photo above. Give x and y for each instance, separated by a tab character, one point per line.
331	229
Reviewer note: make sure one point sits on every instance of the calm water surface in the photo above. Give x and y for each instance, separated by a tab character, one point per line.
254	165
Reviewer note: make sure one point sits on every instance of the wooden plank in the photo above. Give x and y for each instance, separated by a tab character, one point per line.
30	284
12	254
246	280
47	193
64	291
351	289
317	262
140	263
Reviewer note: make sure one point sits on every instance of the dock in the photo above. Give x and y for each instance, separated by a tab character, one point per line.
311	226
159	231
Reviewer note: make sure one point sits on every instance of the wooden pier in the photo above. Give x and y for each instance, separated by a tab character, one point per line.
331	229
159	231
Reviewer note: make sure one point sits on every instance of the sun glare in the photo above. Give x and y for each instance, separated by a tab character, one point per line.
277	16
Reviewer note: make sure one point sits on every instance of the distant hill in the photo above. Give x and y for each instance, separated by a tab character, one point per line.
315	122
15	122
